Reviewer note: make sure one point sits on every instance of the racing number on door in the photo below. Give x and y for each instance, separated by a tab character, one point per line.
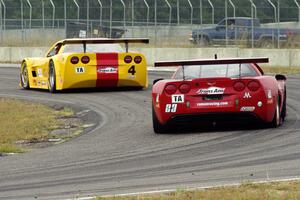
131	70
171	108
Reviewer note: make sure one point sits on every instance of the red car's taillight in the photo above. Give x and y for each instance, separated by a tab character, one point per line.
85	59
184	88
138	59
74	60
239	86
253	86
171	89
127	59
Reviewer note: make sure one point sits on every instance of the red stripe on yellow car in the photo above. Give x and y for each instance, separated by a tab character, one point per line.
107	69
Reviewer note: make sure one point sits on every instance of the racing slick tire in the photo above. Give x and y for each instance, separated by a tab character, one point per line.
157	126
283	111
277	119
24	76
52	78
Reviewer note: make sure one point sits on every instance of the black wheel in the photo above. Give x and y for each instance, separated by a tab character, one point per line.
24	76
277	120
203	41
283	111
52	78
157	126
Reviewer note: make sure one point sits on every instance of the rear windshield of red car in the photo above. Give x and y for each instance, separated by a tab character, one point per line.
210	71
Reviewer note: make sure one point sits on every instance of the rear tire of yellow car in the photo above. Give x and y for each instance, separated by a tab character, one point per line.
157	126
24	76
52	78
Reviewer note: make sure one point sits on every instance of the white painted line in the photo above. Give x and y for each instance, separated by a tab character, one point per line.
188	189
9	65
82	112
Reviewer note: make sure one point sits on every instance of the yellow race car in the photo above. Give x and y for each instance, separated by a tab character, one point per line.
86	63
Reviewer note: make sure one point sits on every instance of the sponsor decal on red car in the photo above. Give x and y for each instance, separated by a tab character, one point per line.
211	90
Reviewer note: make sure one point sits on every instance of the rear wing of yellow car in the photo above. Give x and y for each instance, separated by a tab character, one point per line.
210	62
85	41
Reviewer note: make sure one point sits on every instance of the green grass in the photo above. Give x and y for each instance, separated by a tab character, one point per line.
247	191
26	121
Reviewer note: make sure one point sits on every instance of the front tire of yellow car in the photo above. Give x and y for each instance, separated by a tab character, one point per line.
24	76
52	78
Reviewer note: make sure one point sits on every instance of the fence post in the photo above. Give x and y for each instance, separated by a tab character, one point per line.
233	7
276	19
65	16
253	7
148	9
226	22
155	21
1	28
170	12
30	13
88	18
53	12
4	14
78	9
178	13
22	20
100	4
110	19
43	13
124	14
192	11
212	11
235	31
298	6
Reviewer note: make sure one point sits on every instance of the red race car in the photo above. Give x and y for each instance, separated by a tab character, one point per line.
217	91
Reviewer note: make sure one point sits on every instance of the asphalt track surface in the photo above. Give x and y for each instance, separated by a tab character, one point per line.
122	154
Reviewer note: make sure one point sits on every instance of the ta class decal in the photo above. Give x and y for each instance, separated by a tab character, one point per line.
178	98
213	104
79	70
211	90
171	108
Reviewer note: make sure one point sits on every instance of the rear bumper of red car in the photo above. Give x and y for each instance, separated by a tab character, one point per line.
219	118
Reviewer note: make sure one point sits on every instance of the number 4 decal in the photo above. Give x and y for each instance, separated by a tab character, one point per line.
171	108
131	70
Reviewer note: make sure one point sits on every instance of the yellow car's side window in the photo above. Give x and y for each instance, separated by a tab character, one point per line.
55	50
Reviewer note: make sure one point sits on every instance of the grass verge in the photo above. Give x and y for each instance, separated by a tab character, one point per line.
26	121
247	191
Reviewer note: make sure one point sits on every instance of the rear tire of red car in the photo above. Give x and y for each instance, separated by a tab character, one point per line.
52	78
24	76
283	111
157	126
277	119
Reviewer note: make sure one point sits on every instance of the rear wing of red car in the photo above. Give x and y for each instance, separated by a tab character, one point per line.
85	41
240	61
210	62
